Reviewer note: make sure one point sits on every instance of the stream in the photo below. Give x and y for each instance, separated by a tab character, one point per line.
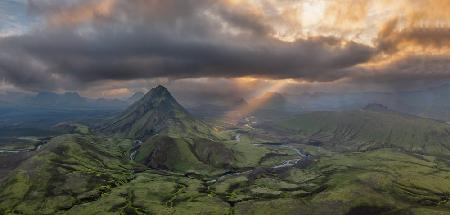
238	137
136	145
15	151
284	164
292	162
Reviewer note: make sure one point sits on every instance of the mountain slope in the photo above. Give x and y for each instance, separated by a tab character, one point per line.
367	129
156	113
195	154
69	170
135	97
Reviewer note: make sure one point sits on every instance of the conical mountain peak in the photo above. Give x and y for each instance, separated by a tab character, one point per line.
157	112
158	94
159	90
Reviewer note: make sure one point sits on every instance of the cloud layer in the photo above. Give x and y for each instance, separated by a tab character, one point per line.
76	44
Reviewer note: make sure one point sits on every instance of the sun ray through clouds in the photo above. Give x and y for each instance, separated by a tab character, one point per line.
258	99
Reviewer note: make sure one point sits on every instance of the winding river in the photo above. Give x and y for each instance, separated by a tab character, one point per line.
301	157
292	162
36	148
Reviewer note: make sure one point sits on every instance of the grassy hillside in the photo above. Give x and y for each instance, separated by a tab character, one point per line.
85	174
69	170
155	193
366	129
83	179
382	181
182	154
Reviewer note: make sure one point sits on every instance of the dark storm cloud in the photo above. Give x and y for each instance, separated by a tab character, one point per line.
408	73
176	39
244	21
16	69
223	92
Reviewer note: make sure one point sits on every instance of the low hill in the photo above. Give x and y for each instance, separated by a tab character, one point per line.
67	171
370	128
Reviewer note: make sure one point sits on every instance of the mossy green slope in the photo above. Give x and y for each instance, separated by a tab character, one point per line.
84	174
385	181
69	170
366	129
156	193
184	154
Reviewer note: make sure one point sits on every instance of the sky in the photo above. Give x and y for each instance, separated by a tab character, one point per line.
112	48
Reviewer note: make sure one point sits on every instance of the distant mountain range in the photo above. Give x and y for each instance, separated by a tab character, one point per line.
212	107
68	100
431	103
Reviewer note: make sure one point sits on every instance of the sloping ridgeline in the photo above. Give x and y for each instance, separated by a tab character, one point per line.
370	128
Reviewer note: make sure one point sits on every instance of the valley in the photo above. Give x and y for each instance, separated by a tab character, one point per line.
156	158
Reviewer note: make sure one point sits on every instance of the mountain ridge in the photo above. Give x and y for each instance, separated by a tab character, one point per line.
369	129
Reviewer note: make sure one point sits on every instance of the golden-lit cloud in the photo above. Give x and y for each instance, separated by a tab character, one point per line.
81	13
84	41
397	28
349	16
363	21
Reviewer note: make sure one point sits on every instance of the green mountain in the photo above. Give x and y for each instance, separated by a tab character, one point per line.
371	128
172	138
156	113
